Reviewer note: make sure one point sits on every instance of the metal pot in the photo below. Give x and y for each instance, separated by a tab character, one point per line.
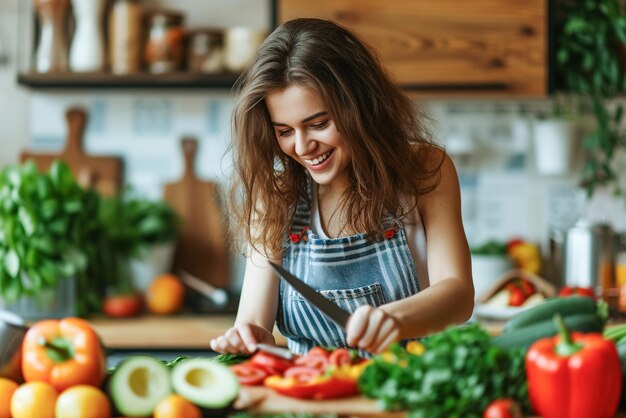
12	331
585	255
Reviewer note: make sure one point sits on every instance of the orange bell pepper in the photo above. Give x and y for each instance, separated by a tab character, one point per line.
574	375
63	353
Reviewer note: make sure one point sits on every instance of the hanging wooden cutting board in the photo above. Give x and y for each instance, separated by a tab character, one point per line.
103	173
202	249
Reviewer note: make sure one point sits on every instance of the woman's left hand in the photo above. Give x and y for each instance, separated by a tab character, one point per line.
372	329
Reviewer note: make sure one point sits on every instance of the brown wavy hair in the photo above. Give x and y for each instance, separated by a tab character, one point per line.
383	128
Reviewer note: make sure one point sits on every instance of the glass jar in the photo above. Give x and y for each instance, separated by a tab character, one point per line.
205	51
164	46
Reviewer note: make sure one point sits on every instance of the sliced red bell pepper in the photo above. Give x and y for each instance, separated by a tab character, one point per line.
574	375
323	387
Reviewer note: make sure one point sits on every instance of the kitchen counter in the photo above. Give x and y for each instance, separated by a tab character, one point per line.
177	332
183	331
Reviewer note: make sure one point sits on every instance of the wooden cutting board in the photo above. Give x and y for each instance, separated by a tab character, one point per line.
262	400
202	249
103	173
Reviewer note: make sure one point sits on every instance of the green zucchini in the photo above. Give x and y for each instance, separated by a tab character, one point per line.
566	306
525	337
615	333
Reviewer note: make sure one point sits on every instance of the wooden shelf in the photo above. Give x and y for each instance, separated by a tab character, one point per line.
134	81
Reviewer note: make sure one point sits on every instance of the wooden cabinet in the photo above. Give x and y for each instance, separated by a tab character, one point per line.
447	47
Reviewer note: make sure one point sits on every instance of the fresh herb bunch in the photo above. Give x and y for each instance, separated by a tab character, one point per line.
132	224
46	224
135	222
458	375
590	41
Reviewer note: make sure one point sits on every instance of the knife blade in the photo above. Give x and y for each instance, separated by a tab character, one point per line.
332	311
276	351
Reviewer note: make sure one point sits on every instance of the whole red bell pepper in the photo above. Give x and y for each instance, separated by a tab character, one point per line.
574	375
64	353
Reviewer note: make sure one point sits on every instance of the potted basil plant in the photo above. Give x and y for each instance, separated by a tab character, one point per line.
145	232
46	220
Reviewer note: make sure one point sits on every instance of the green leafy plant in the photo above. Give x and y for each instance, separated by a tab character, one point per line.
46	225
133	224
591	35
52	229
458	375
490	248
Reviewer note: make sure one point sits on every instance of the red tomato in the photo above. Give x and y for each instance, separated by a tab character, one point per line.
527	287
303	374
318	351
315	361
273	364
574	290
517	297
122	306
339	357
249	374
503	408
513	243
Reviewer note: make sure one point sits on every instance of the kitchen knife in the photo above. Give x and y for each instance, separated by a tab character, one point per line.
276	351
332	311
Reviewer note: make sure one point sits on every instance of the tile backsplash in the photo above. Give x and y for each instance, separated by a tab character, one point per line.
145	130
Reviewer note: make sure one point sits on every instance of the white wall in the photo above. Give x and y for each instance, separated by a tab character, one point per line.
14	112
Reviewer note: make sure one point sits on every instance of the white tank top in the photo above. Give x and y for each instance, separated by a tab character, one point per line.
413	228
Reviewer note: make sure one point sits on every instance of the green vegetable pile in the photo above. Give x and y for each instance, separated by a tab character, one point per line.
458	375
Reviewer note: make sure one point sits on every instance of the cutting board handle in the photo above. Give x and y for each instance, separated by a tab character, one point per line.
76	120
189	146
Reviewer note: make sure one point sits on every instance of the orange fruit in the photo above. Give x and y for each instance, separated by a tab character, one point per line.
33	400
175	406
7	388
82	401
165	295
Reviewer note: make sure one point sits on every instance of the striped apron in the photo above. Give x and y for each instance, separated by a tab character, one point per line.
350	271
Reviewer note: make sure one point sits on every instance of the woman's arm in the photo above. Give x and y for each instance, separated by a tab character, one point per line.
257	310
450	297
259	294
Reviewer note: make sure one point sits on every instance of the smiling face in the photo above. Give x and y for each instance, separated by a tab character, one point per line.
307	133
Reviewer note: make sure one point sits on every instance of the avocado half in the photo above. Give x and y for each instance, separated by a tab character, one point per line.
138	384
207	384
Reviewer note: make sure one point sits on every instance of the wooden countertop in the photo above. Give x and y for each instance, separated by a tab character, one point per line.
182	331
165	332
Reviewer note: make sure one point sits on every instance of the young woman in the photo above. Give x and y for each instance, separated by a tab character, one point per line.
338	181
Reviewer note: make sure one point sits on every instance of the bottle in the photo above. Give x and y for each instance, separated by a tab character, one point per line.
87	50
51	54
125	37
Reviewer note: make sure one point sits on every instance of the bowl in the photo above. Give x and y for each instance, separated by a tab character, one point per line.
12	331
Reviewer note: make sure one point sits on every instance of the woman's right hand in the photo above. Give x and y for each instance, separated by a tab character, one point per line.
242	338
